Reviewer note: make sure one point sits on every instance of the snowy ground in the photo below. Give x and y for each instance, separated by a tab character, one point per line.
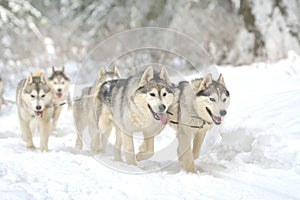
257	158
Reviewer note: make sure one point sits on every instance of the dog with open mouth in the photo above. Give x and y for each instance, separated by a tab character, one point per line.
35	108
198	105
136	104
60	83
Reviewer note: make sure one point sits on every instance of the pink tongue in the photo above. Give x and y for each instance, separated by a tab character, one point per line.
59	95
217	119
163	118
40	113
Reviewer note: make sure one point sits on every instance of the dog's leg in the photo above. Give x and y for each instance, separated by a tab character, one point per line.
56	115
105	125
26	133
146	149
106	133
45	130
197	143
128	148
79	130
185	151
118	145
96	143
95	138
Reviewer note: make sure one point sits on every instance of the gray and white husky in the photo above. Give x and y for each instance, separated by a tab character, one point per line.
60	83
198	106
136	104
84	109
35	108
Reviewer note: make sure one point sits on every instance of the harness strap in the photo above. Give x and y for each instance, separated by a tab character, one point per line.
63	103
204	121
191	126
179	120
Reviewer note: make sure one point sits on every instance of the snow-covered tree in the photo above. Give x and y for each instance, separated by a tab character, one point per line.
21	37
42	33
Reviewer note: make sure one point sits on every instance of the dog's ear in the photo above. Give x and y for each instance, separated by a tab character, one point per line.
38	73
207	80
116	71
102	72
164	75
221	80
147	76
64	71
29	79
43	78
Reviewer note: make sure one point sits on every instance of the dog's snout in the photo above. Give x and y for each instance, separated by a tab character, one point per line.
38	107
59	90
223	112
161	108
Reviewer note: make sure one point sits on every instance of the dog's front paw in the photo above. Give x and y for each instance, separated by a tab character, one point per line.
101	149
191	169
30	146
118	158
131	162
143	156
44	149
130	159
95	149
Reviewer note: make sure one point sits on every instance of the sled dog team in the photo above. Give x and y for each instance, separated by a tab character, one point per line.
145	103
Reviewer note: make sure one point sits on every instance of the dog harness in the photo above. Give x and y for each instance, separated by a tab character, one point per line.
204	122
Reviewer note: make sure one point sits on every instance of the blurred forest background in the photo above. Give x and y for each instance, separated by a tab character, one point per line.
46	33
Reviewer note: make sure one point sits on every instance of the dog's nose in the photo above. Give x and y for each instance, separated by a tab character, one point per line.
223	112
59	90
38	107
161	108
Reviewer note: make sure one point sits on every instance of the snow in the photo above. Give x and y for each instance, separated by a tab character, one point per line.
276	27
258	156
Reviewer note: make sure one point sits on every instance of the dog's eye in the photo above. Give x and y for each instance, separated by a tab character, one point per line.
43	96
32	96
152	94
227	93
164	94
212	99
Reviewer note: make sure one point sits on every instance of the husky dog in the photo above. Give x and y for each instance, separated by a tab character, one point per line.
138	103
60	84
35	108
84	112
198	105
1	93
